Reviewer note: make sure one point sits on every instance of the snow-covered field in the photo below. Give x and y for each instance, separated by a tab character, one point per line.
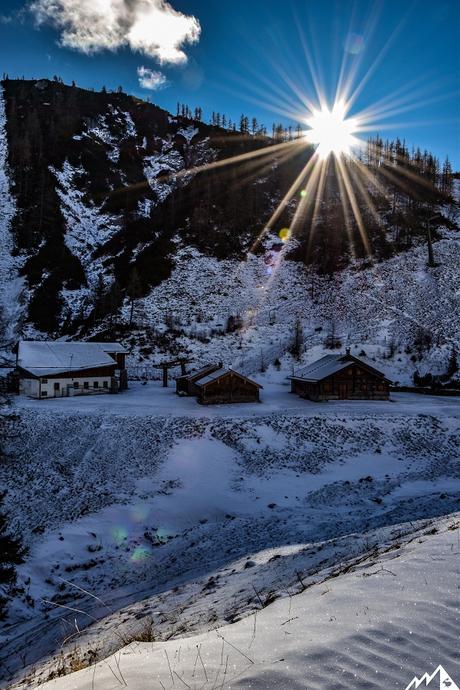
377	625
192	516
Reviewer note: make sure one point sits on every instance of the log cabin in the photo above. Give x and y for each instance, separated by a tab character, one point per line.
50	369
226	386
340	377
185	384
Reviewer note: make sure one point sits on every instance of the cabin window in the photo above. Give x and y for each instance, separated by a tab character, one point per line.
350	371
75	384
105	384
56	385
86	384
96	384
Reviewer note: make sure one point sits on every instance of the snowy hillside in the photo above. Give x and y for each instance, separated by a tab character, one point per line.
382	310
10	282
195	517
122	220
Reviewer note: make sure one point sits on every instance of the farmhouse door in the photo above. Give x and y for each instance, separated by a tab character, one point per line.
343	391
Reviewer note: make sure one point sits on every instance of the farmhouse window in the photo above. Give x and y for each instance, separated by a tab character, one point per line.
85	384
106	384
75	384
44	394
56	385
44	380
96	384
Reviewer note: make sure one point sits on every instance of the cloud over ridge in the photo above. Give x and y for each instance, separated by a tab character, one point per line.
151	27
151	79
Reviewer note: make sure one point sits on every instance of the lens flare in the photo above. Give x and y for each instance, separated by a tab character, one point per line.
119	534
332	131
140	553
284	234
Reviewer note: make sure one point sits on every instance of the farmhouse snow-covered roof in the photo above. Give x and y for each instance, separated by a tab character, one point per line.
219	373
45	357
329	365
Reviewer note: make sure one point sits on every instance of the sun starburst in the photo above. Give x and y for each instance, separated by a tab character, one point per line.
332	130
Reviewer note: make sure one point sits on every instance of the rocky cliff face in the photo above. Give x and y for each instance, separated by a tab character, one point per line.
97	186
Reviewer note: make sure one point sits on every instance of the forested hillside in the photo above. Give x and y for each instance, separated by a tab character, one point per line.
105	189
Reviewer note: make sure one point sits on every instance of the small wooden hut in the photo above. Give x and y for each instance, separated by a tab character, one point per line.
185	384
340	377
226	386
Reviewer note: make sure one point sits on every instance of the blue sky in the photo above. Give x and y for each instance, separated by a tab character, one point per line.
251	56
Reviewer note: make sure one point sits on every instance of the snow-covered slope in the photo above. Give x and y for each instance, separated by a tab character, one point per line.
181	512
375	625
383	310
114	198
10	282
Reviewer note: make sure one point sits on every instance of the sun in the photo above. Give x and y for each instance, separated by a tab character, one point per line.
332	130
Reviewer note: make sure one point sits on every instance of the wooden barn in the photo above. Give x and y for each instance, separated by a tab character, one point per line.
340	377
185	384
226	386
56	369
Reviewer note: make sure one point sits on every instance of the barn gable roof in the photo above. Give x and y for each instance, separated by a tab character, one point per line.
195	375
220	373
47	357
331	364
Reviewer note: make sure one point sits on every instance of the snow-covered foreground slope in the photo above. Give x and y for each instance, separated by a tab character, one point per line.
376	625
168	511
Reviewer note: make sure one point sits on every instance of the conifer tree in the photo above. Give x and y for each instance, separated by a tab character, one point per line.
452	367
134	291
447	178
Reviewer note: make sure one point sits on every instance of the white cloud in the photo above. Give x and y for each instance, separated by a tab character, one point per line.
150	79
151	27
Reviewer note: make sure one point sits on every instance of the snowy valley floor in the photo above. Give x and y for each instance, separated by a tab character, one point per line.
180	519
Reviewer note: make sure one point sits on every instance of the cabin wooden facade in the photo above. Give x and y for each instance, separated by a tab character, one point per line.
340	377
226	386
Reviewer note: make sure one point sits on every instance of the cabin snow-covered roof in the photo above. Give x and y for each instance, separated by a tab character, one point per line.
328	365
47	357
199	373
110	347
214	375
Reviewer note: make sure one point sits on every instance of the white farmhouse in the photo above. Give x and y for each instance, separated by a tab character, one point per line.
55	369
